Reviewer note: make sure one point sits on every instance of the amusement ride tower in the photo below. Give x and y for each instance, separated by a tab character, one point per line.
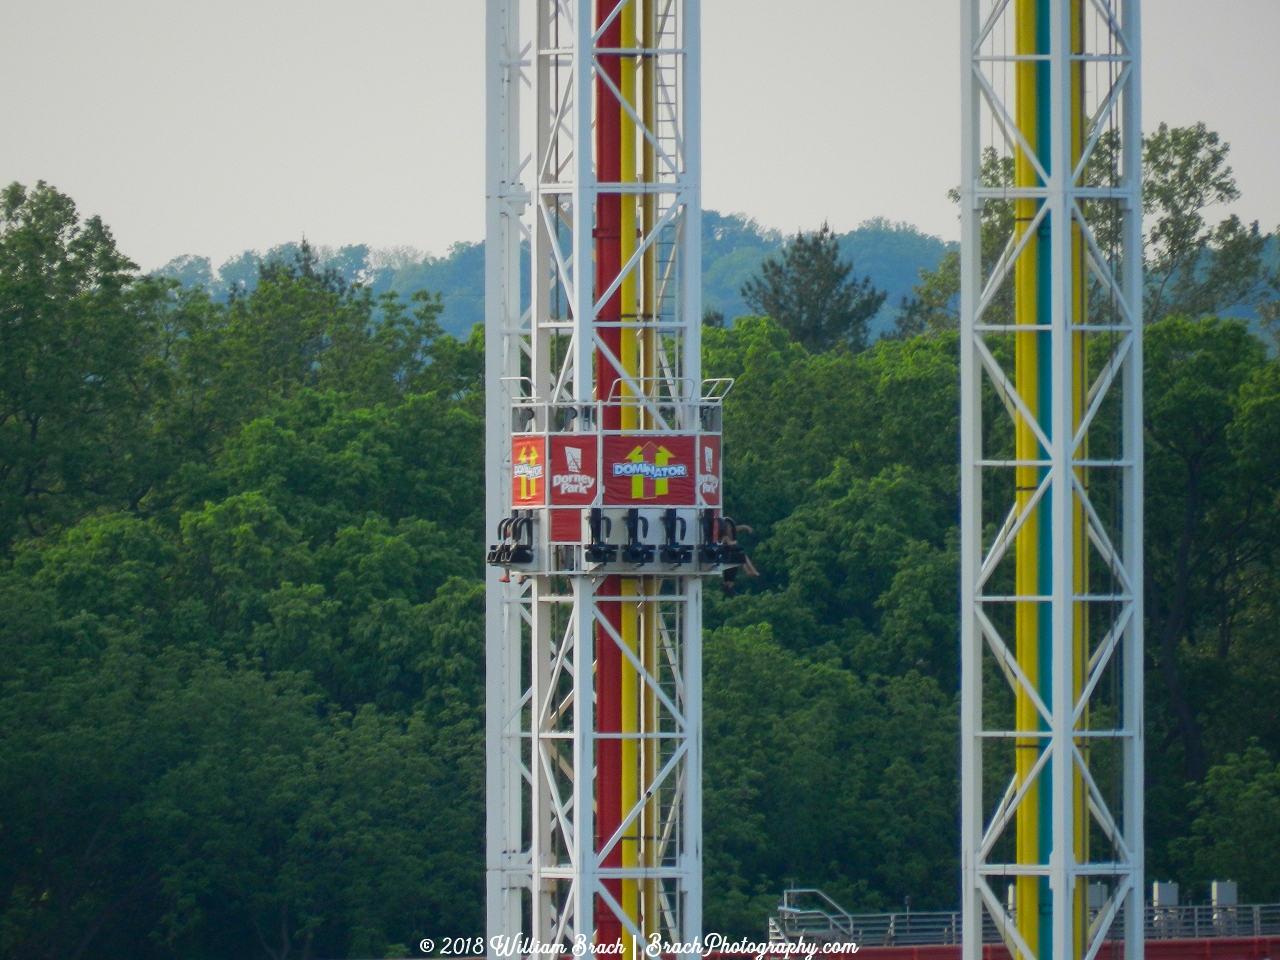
1051	477
603	472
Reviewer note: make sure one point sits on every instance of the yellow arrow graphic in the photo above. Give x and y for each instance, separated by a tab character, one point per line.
661	459
528	484
637	480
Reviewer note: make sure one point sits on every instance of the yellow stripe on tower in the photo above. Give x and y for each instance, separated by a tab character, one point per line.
1031	373
1080	573
631	587
1027	547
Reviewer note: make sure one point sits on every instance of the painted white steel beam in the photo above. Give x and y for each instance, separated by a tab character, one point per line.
506	856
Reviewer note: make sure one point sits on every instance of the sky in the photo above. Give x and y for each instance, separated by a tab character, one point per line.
213	126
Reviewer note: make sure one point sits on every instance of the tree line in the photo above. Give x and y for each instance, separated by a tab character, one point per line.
241	611
734	248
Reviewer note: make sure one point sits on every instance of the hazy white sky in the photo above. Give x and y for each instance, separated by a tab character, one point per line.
195	126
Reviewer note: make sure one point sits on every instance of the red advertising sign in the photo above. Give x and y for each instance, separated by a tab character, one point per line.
566	525
573	469
528	471
649	470
709	470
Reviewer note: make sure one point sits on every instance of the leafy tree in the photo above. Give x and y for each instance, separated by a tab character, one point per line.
895	403
837	555
810	294
1208	524
817	775
188	270
1192	268
82	753
208	808
304	327
1233	835
1269	318
340	845
75	382
935	302
333	528
110	382
458	276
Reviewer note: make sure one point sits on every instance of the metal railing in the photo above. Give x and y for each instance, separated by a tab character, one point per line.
1195	922
811	914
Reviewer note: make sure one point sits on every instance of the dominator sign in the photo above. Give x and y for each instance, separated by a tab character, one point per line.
649	470
528	471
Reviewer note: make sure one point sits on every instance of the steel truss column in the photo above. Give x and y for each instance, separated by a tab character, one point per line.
593	321
506	853
1051	477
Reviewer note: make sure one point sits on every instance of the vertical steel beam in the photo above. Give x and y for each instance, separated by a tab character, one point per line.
691	104
690	859
1062	424
971	641
585	863
506	860
1133	716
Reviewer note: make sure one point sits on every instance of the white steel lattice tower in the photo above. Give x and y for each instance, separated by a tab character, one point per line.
603	472
1051	478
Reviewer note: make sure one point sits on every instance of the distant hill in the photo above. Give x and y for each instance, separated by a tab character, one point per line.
733	247
891	254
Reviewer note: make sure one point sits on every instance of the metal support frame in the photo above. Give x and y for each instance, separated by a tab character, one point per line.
550	341
1084	423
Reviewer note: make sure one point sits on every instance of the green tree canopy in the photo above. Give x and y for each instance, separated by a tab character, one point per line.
79	374
808	291
1233	835
241	612
1192	267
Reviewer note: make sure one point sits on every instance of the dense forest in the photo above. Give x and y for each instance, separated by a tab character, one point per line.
241	606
